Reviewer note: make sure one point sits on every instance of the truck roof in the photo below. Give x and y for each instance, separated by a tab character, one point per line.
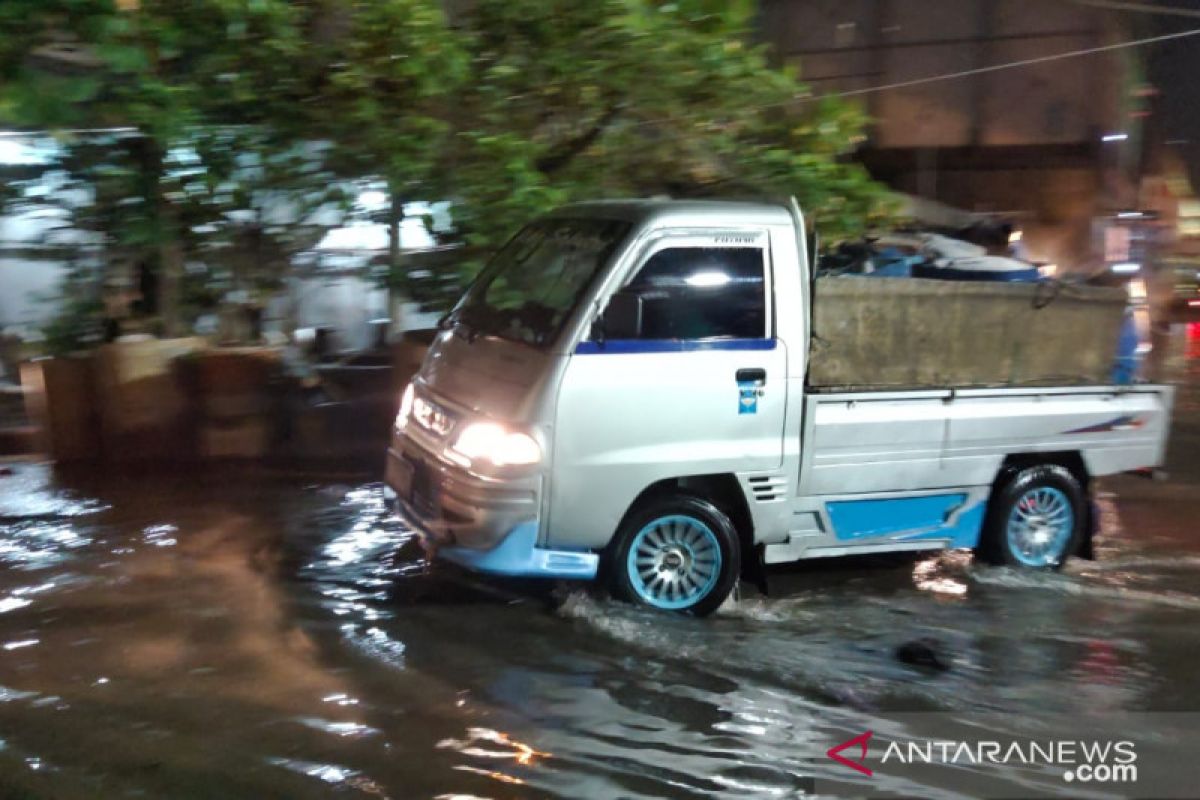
688	212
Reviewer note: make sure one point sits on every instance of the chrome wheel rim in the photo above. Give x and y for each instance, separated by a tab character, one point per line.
1039	527
674	562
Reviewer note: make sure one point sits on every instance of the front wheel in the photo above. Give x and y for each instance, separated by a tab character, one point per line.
678	553
1036	519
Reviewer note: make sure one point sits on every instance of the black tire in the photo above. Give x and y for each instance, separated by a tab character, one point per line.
724	572
997	547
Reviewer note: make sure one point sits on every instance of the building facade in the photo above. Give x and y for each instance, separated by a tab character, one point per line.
1051	144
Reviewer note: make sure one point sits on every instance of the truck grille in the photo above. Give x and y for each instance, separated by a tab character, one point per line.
424	488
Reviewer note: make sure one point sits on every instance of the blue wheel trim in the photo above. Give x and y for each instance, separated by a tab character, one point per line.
686	536
1039	527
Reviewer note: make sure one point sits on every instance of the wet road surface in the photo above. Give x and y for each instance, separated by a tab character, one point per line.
236	634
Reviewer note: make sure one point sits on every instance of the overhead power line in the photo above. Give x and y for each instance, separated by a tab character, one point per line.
1144	8
1026	62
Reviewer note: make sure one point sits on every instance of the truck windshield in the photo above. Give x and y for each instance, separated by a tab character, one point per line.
527	291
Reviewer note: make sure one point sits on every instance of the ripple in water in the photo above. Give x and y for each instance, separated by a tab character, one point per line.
34	545
342	777
357	568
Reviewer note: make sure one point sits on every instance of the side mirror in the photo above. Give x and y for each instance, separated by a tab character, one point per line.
623	316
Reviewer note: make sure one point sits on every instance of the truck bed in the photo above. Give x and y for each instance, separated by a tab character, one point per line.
904	333
890	441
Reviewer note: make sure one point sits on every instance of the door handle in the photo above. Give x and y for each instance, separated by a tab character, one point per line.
752	375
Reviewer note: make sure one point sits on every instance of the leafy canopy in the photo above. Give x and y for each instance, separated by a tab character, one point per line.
504	107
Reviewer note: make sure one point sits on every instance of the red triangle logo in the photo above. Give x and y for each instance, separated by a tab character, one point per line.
861	740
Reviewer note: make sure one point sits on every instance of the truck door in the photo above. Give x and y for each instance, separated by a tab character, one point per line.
703	390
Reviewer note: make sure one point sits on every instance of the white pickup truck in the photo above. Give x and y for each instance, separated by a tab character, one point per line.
621	393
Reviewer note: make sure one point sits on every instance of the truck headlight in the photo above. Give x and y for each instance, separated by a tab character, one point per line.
406	404
487	441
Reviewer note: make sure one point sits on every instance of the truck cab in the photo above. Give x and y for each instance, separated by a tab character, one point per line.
622	391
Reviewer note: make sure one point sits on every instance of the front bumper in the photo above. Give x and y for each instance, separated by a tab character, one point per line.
483	525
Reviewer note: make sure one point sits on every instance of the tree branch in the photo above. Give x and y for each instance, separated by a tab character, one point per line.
562	155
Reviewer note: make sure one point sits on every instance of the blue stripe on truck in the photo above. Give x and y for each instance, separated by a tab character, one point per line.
615	346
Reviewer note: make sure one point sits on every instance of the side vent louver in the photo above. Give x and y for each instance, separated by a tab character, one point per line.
768	488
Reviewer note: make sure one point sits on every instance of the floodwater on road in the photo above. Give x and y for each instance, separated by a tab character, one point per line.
237	634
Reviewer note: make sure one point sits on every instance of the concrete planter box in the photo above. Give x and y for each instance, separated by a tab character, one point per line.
60	401
908	333
231	383
233	399
143	408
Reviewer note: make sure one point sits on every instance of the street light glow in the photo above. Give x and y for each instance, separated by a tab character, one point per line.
1115	137
1126	267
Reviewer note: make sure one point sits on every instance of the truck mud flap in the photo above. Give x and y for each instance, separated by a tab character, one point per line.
754	568
1087	548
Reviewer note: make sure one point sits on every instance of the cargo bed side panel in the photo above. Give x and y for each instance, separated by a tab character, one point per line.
888	442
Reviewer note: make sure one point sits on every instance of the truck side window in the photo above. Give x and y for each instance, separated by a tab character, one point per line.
703	293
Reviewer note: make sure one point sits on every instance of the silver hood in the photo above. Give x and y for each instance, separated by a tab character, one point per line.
489	376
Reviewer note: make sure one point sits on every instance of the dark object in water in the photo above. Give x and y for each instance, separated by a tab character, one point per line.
923	652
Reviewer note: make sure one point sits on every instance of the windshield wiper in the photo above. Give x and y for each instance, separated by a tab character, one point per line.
449	319
510	324
473	320
454	320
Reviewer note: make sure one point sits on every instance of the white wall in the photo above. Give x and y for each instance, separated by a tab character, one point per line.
21	279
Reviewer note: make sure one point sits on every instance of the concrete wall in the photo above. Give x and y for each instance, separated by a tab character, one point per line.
22	281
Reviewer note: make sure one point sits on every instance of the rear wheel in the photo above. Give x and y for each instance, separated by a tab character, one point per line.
676	552
1035	520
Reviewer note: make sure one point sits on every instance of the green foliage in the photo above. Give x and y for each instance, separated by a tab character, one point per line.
568	100
206	99
509	109
389	76
79	324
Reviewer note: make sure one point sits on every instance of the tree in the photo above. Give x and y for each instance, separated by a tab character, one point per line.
567	100
571	100
394	68
506	108
191	89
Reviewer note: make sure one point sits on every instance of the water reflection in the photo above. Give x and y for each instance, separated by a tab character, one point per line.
17	644
943	574
34	545
488	743
261	635
161	535
338	728
13	603
331	774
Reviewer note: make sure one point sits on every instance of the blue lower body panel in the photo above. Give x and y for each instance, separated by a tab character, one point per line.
963	531
517	555
940	516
